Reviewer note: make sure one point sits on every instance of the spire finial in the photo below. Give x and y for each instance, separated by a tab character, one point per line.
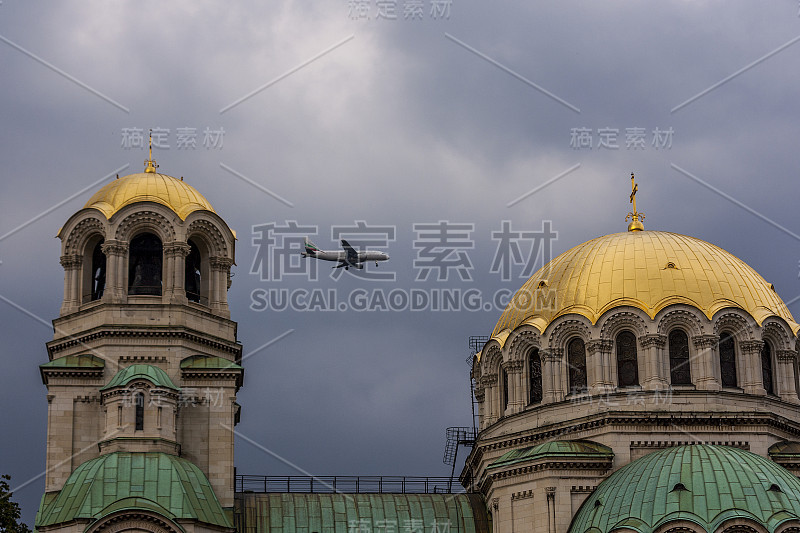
635	216
150	165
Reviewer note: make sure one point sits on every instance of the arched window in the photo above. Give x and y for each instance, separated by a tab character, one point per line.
98	274
679	358
144	265
727	360
505	391
766	368
576	360
138	401
627	363
193	279
535	371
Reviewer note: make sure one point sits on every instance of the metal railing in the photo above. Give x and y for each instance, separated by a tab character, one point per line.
349	484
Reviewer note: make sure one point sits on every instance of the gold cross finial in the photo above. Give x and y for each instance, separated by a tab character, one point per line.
635	216
150	165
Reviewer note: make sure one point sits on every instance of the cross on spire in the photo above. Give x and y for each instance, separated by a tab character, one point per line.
635	216
150	165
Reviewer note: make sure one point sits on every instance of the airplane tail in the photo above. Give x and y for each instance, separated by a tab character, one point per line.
310	248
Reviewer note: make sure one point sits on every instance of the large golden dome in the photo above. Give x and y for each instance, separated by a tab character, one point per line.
176	194
645	269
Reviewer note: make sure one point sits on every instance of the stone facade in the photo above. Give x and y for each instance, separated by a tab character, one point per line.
106	326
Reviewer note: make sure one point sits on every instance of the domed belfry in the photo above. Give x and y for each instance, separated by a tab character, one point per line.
144	365
642	381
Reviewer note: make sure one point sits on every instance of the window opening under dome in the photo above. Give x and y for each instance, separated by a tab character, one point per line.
766	368
98	282
727	360
138	401
627	363
505	391
144	265
193	278
679	358
576	360
535	370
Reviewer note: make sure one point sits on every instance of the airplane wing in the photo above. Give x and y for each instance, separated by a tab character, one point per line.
352	255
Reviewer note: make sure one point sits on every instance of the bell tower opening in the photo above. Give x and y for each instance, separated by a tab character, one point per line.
196	277
144	265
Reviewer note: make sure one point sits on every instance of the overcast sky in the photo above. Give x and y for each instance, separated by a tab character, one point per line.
329	113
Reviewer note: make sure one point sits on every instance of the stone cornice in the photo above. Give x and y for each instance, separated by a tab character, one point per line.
639	420
105	332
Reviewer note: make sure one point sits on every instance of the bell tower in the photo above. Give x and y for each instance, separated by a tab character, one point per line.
144	364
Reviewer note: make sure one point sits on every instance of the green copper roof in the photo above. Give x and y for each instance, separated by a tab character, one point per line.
151	373
166	484
785	450
558	448
75	361
208	361
287	512
704	484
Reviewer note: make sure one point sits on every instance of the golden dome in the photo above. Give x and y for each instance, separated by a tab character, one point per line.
176	194
645	269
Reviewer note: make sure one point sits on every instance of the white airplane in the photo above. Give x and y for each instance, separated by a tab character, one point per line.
348	258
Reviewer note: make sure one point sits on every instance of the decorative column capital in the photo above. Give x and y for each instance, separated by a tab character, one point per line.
177	249
488	380
750	347
513	367
599	345
114	247
702	342
495	503
553	356
786	355
551	492
653	339
220	263
71	261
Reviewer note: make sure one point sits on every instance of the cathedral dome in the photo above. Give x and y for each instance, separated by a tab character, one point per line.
649	270
174	193
702	484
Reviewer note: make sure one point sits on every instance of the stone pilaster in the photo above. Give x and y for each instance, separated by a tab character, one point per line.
72	282
598	366
116	271
752	379
175	254
785	375
552	382
489	382
516	393
704	365
653	377
218	288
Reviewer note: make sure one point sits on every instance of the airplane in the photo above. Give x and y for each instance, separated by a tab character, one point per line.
348	258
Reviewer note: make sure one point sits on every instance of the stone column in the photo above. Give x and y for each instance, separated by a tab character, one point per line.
598	370
175	290
516	400
551	509
116	252
488	382
72	271
752	380
704	365
785	375
480	397
652	375
553	388
218	286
